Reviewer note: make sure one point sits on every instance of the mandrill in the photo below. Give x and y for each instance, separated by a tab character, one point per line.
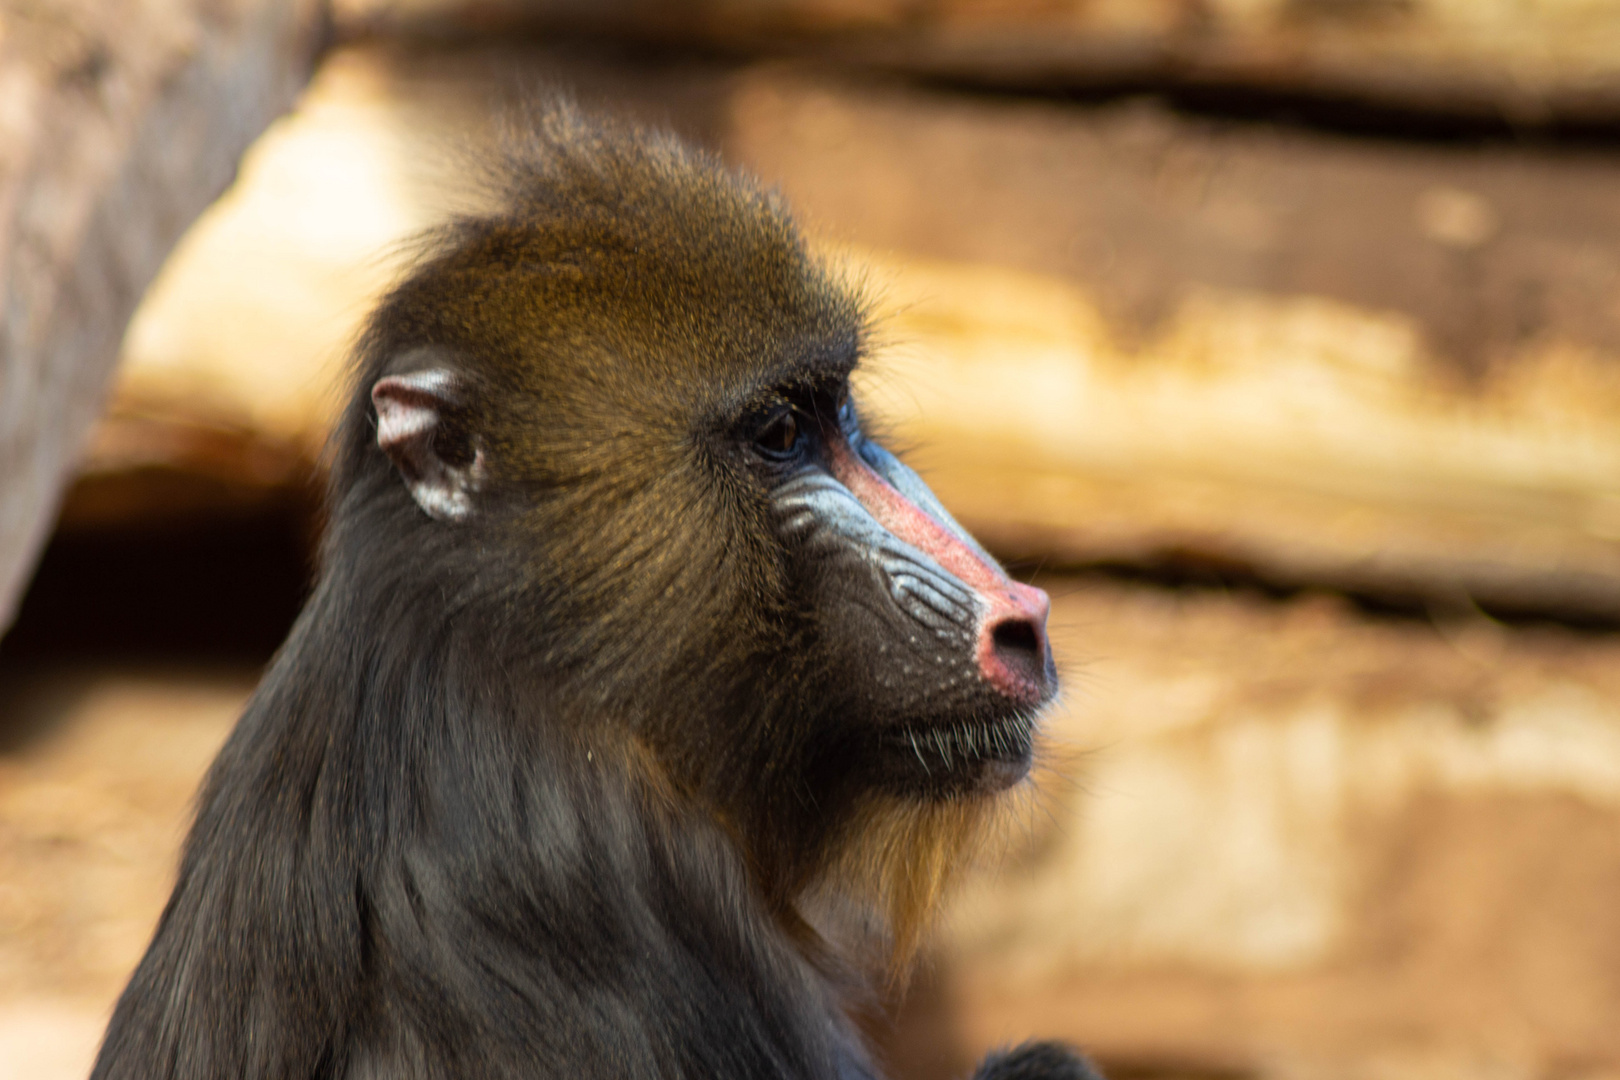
640	690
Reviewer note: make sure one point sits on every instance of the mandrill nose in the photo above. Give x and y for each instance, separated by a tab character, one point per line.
1012	650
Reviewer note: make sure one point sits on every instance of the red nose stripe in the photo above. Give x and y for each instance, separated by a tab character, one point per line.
1003	599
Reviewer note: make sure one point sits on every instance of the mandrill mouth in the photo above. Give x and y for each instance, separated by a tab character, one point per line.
967	756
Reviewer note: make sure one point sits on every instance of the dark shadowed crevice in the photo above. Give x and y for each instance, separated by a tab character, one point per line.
1324	111
215	588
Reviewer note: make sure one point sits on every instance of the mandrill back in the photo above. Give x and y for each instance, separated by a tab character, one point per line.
640	691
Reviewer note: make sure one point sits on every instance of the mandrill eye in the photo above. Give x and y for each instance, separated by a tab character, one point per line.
780	437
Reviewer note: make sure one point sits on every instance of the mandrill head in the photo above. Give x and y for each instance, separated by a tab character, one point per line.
616	423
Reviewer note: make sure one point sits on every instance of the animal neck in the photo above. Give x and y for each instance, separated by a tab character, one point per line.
460	830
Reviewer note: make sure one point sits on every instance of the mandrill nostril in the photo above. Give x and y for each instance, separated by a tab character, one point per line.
1019	645
1016	635
1013	653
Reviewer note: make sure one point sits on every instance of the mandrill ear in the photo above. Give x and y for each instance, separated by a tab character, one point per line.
419	427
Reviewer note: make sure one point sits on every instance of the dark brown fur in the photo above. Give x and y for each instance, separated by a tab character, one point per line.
578	776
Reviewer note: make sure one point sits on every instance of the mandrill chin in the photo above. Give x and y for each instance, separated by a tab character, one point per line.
640	687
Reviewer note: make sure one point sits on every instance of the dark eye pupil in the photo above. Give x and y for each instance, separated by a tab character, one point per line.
780	435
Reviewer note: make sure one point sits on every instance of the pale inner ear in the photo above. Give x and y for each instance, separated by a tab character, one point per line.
411	410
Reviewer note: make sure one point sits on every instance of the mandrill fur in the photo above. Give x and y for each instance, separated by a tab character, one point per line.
640	690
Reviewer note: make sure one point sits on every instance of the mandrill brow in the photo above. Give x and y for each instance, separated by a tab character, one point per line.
642	697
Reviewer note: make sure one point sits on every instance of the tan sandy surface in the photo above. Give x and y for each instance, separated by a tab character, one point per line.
97	770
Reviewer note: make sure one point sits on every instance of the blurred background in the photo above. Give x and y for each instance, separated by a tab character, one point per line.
1278	339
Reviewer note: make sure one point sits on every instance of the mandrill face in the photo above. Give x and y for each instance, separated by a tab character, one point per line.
946	657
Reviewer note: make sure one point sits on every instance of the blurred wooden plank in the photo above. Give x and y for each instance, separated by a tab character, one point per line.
120	122
1488	247
1526	63
163	464
1307	443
